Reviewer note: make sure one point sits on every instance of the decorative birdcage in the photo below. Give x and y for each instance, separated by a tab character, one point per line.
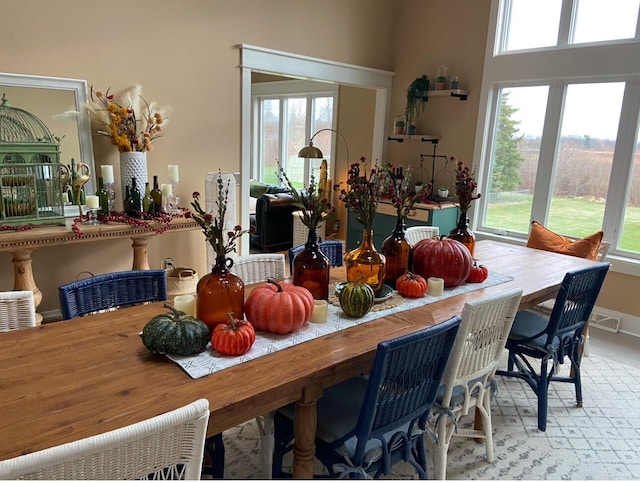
30	169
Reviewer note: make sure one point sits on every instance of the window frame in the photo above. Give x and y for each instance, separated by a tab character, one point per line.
558	66
283	91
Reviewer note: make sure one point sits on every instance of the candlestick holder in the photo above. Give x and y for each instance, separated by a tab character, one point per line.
93	217
175	201
111	196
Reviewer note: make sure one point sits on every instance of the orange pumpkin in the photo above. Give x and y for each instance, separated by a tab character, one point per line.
411	285
233	338
280	308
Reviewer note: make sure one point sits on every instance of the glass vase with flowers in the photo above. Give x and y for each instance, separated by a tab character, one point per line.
310	267
466	184
219	292
362	196
395	247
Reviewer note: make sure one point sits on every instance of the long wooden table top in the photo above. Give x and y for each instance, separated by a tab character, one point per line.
68	380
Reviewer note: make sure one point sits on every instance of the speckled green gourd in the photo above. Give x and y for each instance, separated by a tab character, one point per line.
356	299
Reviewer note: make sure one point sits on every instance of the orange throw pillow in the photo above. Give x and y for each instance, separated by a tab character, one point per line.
544	239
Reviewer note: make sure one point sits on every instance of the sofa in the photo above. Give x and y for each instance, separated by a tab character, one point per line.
272	221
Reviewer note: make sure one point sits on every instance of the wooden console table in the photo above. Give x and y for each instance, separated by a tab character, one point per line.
22	243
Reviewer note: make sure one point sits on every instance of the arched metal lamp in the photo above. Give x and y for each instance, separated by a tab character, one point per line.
312	152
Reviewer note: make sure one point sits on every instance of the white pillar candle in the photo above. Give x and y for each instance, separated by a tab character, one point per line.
107	173
173	173
319	314
92	202
166	189
435	286
185	303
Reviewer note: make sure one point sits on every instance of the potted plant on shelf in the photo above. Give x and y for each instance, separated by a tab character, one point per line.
417	96
443	191
398	125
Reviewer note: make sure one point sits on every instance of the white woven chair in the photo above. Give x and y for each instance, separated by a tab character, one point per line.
414	234
166	447
17	310
259	267
469	376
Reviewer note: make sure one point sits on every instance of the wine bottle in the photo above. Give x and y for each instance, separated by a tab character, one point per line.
127	200
103	197
147	202
136	199
156	194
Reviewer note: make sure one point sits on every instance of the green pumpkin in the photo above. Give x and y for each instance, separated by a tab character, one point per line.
175	333
356	299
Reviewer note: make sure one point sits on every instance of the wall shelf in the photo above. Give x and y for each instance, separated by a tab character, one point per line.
459	93
424	138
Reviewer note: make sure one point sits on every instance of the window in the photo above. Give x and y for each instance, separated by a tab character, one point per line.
287	114
560	141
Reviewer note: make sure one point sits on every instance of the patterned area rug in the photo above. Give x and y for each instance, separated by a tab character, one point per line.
600	441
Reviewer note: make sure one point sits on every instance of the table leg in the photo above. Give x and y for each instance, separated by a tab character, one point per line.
23	277
304	431
140	261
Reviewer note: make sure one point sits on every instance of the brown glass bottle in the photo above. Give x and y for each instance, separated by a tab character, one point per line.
396	250
366	264
219	293
311	268
463	234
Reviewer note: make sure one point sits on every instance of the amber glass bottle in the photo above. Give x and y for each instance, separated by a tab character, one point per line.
366	264
311	268
219	293
396	250
462	233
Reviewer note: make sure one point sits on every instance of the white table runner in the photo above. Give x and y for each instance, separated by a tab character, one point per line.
209	361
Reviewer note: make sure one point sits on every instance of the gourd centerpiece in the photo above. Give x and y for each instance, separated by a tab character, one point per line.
175	333
442	257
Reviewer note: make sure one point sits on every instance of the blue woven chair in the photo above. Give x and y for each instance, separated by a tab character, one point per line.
367	424
333	249
554	338
111	291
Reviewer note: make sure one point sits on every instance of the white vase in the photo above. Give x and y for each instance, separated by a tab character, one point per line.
443	193
133	164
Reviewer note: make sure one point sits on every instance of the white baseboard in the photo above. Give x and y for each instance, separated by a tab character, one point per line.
614	321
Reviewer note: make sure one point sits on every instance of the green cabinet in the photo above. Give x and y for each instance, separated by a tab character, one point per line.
444	216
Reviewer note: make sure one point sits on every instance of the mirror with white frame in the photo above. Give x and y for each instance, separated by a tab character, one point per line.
49	98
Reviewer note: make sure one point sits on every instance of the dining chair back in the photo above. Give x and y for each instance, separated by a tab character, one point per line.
17	310
333	249
556	337
258	267
468	381
413	234
111	291
366	424
166	447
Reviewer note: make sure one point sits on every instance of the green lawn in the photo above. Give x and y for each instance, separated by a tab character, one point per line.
583	216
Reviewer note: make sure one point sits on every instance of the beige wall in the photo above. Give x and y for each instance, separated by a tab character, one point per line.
184	54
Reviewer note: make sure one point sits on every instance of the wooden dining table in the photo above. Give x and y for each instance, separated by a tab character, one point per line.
68	380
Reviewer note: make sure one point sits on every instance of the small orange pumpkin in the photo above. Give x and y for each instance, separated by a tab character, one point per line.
411	285
233	338
280	308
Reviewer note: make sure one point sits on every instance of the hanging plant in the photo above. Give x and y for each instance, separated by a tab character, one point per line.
417	96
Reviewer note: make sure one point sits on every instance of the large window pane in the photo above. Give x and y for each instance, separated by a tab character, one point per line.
630	237
295	139
515	156
322	119
585	155
597	20
532	24
270	122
